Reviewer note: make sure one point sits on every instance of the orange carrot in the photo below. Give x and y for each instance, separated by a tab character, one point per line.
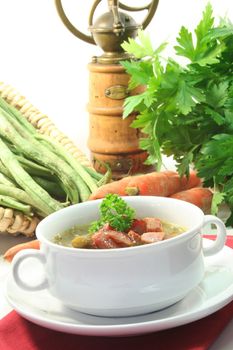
199	196
162	184
11	252
192	181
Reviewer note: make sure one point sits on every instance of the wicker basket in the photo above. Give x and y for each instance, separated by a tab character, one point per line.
11	221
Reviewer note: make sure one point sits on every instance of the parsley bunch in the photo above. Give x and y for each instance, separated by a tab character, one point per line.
186	110
115	211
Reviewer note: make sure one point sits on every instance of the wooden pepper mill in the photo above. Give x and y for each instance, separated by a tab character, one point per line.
111	138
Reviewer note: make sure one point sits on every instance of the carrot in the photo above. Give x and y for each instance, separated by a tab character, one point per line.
199	196
162	184
192	181
10	253
117	187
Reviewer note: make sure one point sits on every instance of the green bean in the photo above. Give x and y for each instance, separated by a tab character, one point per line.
53	188
47	159
108	174
6	181
22	132
74	163
20	195
106	178
33	168
5	171
10	202
44	201
82	186
35	150
94	174
13	112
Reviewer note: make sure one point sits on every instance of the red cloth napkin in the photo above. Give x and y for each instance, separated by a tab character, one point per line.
18	333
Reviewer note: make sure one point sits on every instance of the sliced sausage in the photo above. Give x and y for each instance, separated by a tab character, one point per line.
121	239
138	226
153	225
101	241
152	237
135	237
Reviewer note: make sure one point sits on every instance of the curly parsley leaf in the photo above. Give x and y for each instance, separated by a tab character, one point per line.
116	212
187	96
139	48
203	28
217	94
186	47
132	104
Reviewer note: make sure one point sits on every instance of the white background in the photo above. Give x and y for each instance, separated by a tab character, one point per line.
48	64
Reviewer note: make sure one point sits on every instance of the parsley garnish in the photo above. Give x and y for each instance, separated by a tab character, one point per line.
115	211
186	110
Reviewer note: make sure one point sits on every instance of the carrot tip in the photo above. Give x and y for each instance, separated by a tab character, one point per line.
11	252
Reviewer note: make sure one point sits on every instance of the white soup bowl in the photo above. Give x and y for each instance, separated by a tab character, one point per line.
122	281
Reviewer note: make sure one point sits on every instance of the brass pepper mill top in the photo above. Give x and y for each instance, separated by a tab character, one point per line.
112	28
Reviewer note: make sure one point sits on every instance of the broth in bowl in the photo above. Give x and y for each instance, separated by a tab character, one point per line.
117	227
142	231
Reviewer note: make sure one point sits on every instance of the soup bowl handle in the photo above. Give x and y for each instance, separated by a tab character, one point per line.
219	242
19	258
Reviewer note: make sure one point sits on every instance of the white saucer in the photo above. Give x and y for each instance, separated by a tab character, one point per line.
215	291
